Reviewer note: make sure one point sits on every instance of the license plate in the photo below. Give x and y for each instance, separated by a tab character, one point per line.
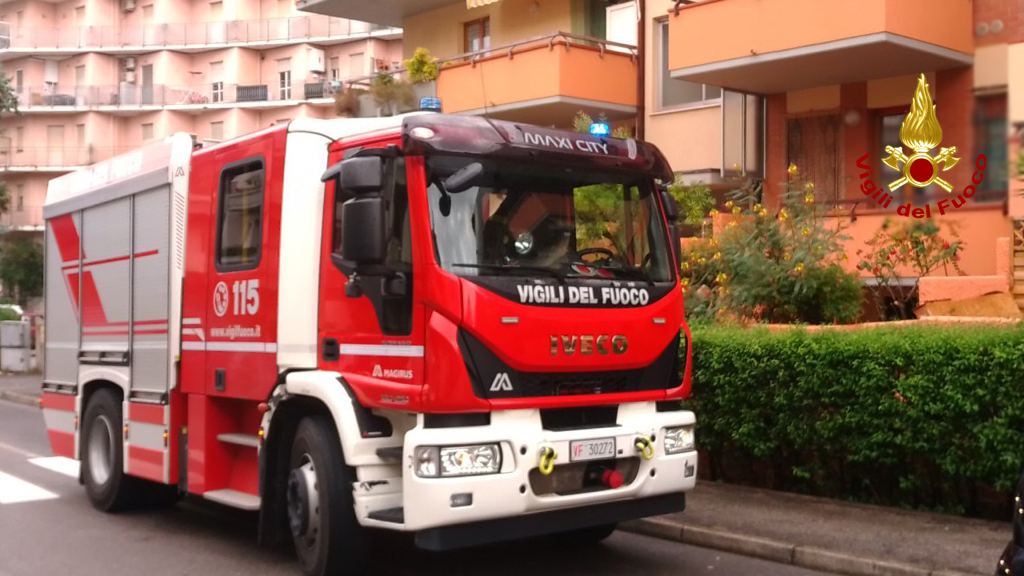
597	449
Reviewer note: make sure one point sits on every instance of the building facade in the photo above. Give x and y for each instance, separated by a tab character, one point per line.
96	78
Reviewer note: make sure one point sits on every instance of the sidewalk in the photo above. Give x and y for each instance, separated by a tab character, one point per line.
815	533
21	388
830	535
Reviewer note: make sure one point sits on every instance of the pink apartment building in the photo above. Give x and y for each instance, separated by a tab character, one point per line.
97	77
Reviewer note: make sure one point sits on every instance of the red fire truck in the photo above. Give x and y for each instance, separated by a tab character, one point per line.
462	328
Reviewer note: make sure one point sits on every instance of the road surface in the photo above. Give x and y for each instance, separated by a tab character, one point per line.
47	526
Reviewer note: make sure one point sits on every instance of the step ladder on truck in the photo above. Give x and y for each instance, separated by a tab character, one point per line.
467	329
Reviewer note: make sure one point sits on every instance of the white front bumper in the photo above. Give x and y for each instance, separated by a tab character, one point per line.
427	502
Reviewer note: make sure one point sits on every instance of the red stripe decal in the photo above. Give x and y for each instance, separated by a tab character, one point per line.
110	260
66	235
62	402
92	306
148	413
62	443
146	463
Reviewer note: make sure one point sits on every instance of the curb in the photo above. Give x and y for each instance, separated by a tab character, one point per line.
776	551
23	398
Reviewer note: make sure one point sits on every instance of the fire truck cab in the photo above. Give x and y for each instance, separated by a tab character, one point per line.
463	328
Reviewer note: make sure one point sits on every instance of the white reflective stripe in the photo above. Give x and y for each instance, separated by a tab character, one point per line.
146	435
14	490
269	347
59	420
58	464
197	332
382	350
191	321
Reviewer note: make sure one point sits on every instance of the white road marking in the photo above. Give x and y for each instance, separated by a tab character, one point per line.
14	490
58	464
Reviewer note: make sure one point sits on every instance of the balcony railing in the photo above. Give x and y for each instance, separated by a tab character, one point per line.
129	95
54	157
190	33
26	217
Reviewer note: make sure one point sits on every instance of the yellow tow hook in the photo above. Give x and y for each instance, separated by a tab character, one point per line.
644	446
546	465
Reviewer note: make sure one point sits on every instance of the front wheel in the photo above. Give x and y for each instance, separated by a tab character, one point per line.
321	513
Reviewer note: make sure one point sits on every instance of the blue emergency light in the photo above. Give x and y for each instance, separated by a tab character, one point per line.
600	129
430	103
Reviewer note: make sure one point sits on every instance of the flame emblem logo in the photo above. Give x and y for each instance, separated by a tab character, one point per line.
921	132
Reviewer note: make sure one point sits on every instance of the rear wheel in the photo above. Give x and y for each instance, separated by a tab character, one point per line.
108	487
321	514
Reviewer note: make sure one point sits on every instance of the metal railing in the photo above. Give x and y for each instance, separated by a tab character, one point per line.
54	157
191	33
549	41
131	95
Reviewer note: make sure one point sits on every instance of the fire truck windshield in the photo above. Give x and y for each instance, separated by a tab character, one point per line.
541	220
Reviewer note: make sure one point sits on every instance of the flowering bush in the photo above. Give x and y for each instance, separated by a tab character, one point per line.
775	266
916	247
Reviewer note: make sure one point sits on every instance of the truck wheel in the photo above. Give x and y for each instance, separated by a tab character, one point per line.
591	535
321	513
103	453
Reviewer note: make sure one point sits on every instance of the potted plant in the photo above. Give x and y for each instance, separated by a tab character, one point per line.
423	71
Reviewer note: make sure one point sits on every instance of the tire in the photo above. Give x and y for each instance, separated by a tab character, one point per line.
588	536
108	487
328	539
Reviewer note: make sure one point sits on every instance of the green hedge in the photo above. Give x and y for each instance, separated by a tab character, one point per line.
922	416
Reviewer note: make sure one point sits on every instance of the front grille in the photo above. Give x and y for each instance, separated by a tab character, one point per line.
571	384
580	477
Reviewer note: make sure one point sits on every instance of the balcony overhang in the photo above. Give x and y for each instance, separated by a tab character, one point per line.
795	44
389	12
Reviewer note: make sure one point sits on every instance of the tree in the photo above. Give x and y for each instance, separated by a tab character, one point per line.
21	269
8	98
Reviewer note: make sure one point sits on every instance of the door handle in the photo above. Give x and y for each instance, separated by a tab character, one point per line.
331	350
219	377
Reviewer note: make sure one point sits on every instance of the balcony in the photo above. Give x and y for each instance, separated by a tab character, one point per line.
771	47
543	80
196	36
127	97
389	12
26	219
51	158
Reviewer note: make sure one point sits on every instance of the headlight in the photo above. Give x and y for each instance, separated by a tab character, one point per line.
447	461
679	439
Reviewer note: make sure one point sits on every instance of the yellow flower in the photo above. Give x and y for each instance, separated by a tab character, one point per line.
717	256
736	210
722	277
783	215
787	256
702	260
730	204
685	282
808	198
806	232
757	207
686	266
809	186
730	225
713	212
762	213
792	170
799	268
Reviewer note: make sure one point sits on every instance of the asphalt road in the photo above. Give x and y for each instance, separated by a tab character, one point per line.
47	526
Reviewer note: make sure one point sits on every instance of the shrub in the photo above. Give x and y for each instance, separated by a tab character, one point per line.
923	416
422	67
694	200
777	266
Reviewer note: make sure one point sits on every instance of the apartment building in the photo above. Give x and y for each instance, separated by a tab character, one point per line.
737	89
98	77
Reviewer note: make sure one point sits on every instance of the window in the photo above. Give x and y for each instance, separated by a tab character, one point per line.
80	135
216	130
147	13
80	15
19	81
356	65
217	81
240	222
889	135
335	68
676	93
284	78
476	35
80	75
20	191
813	145
216	11
19	138
147	132
991	133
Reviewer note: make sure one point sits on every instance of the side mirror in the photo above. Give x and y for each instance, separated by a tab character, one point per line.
463	179
671	208
357	176
362	228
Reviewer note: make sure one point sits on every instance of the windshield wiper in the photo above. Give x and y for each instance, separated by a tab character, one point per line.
507	268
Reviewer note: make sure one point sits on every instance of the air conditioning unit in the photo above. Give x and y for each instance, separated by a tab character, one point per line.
129	76
128	5
315	58
129	63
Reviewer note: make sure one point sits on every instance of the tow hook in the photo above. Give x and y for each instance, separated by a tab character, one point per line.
644	446
546	463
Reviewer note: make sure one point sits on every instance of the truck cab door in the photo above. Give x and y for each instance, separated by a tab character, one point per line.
373	335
